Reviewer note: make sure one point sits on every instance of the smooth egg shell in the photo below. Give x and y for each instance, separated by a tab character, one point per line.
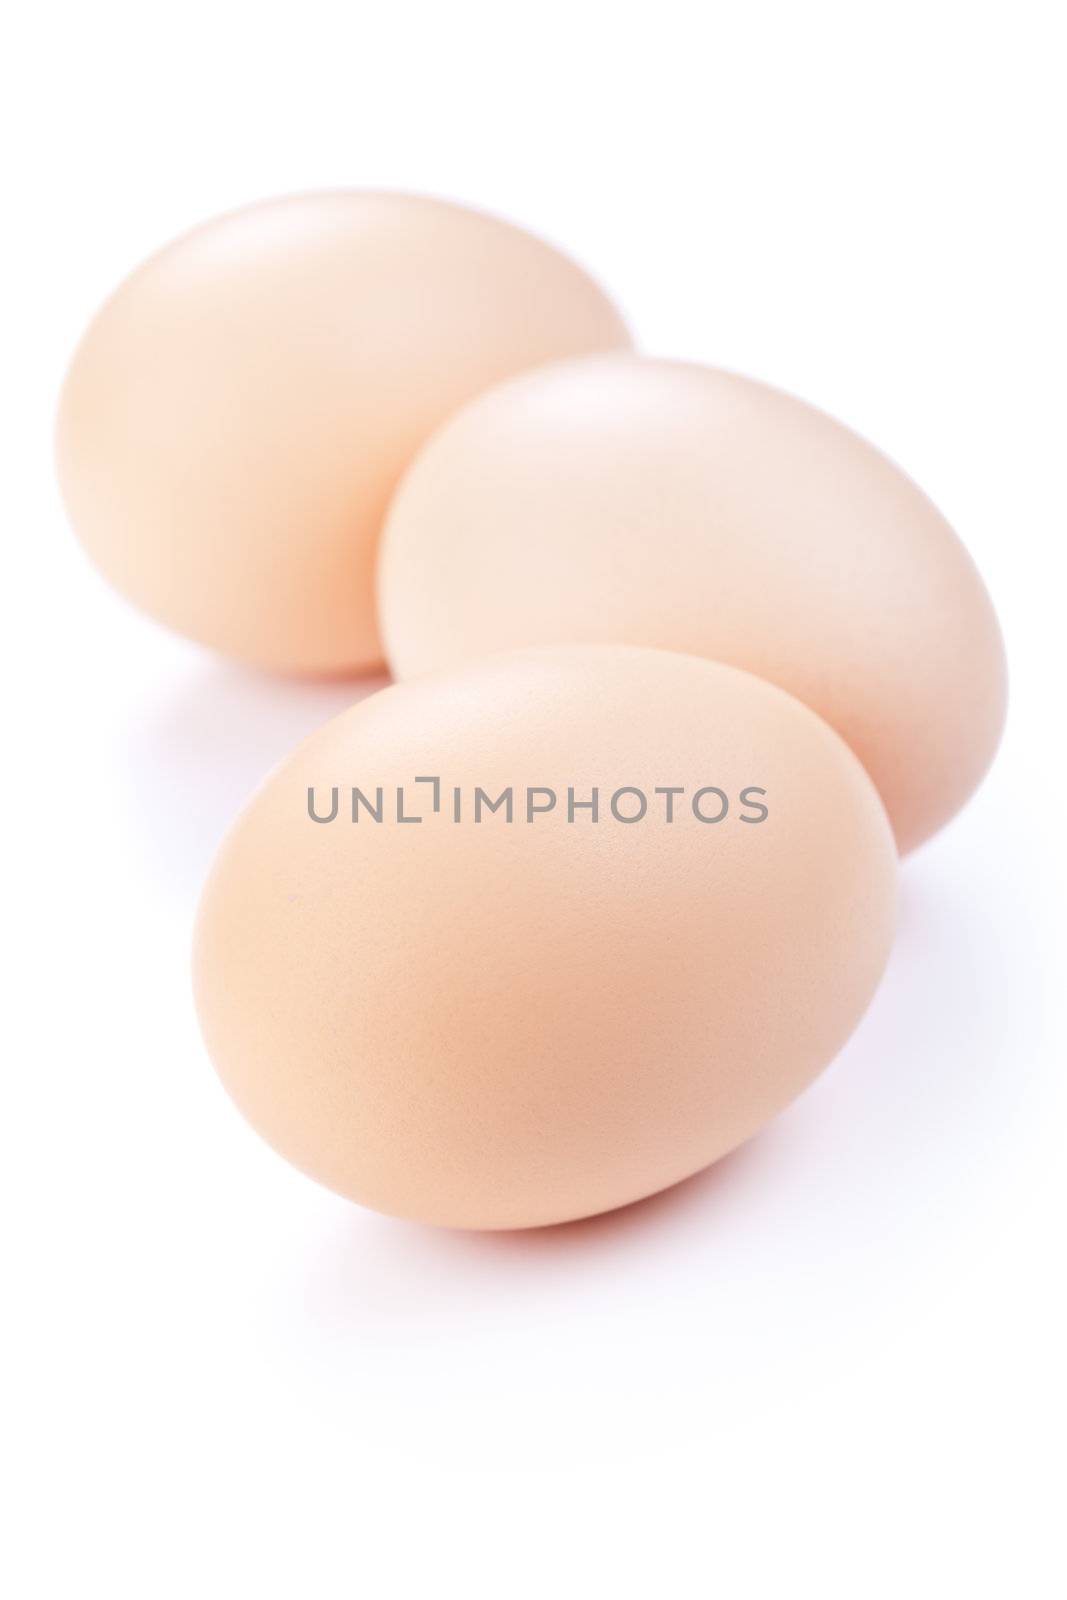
494	1024
657	503
238	412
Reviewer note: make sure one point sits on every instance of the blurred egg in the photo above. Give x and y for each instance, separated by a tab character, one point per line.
532	938
650	502
238	412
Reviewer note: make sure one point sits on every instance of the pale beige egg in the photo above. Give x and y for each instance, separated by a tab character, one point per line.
657	503
238	412
532	938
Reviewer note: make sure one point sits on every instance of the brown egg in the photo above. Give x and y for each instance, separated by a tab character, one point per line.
651	502
238	412
439	981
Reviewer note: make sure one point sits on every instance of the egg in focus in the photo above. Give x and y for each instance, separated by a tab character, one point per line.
508	1015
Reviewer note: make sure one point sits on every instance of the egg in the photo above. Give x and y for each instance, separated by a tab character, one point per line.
531	938
624	499
238	412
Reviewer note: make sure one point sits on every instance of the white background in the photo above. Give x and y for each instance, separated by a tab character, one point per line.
833	1365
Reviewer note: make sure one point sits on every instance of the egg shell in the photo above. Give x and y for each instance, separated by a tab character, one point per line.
238	412
659	503
505	1023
